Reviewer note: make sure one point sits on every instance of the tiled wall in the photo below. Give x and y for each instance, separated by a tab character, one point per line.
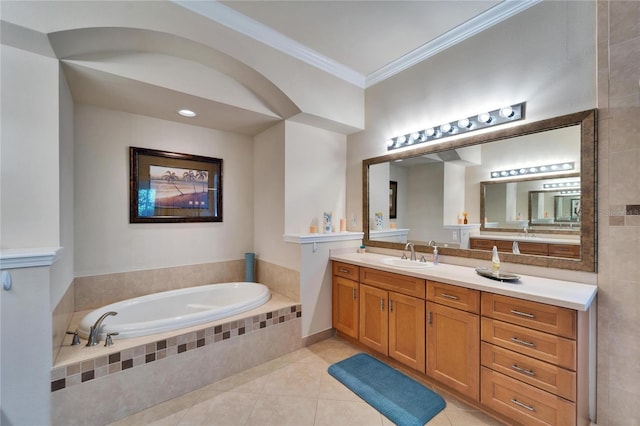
109	387
95	291
618	343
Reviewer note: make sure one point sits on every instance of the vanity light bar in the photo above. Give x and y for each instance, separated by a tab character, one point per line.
548	168
464	125
570	192
575	184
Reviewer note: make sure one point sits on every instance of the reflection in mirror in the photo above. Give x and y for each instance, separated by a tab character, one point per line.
515	204
445	193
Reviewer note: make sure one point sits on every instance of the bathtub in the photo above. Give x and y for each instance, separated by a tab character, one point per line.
175	309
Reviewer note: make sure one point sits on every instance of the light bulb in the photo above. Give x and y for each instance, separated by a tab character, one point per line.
507	112
446	127
485	117
430	132
465	123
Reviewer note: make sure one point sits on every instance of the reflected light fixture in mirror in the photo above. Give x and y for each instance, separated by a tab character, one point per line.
547	168
464	125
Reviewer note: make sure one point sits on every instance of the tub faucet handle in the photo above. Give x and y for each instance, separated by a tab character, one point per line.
108	341
75	340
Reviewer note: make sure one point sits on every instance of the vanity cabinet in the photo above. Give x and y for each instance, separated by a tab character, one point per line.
453	337
345	290
392	316
529	360
522	361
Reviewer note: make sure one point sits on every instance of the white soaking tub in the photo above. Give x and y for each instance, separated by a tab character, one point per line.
175	309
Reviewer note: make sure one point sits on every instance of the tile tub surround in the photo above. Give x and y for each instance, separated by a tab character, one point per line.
92	292
154	368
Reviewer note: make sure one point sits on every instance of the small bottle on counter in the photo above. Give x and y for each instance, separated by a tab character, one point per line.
435	255
495	261
362	249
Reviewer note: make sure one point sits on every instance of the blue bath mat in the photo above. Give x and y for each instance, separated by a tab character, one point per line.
398	397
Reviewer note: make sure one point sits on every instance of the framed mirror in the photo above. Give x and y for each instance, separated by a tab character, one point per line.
456	193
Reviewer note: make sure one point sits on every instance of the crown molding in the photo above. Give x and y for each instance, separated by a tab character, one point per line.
238	22
485	20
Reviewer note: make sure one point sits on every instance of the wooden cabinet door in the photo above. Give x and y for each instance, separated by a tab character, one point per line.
453	348
374	318
345	306
406	330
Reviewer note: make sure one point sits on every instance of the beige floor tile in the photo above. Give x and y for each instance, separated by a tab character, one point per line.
228	408
273	410
299	379
470	418
330	388
346	413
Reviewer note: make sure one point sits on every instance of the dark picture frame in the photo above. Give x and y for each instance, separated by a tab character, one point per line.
393	199
170	187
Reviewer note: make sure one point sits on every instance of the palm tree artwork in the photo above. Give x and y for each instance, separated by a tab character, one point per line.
175	188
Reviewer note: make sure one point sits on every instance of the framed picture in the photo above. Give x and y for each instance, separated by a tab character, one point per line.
168	187
393	199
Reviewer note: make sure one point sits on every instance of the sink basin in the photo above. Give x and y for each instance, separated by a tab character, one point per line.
406	263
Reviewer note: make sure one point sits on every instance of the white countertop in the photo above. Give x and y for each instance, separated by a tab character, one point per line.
566	294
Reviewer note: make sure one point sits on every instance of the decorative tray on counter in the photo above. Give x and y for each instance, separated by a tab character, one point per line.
500	276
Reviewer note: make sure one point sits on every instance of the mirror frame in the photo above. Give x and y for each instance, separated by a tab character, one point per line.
588	185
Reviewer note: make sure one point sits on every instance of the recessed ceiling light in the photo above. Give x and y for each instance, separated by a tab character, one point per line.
187	113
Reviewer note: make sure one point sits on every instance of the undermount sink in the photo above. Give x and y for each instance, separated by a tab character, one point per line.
406	263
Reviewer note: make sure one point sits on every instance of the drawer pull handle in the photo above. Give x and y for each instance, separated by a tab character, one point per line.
522	342
449	296
520	404
382	304
344	270
523	371
522	314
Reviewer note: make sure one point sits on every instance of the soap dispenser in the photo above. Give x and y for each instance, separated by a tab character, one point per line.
495	261
435	255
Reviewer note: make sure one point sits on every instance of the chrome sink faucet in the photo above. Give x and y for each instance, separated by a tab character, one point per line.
413	251
94	331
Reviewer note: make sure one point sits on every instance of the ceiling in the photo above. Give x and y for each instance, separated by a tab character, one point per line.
362	35
359	41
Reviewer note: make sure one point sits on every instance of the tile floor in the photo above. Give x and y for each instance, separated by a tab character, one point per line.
294	389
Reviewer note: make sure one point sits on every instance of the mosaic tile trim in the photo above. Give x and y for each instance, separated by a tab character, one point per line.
75	374
624	215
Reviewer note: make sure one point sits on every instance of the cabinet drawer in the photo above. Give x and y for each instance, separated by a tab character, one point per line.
346	270
548	318
537	373
565	250
546	347
527	247
481	244
523	403
454	296
395	282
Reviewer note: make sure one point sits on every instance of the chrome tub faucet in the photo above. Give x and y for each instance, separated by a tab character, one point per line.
94	331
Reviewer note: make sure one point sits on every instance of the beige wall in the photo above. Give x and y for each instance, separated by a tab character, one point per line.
544	56
30	166
618	372
105	241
